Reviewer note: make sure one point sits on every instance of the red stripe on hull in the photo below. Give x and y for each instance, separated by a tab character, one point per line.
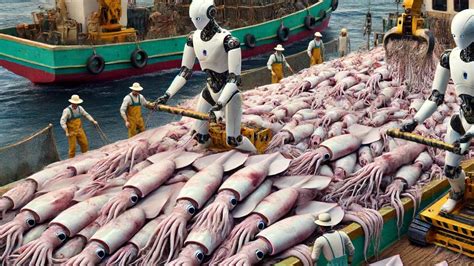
40	76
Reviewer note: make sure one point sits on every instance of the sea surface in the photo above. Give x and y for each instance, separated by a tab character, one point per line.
26	108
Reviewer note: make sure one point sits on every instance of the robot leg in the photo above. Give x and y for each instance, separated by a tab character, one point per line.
452	168
202	127
233	115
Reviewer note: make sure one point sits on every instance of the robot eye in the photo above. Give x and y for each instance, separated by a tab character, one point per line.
454	35
259	254
462	35
233	201
191	209
198	19
100	253
199	256
261	225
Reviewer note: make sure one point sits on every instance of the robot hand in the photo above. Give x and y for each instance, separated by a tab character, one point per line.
464	143
212	114
409	126
466	138
163	99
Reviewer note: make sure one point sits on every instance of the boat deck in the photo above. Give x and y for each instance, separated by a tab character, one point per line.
414	255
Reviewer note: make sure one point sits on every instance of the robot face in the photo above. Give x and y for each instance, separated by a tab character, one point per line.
462	28
201	12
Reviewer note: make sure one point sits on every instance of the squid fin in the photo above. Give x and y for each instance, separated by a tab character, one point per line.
248	205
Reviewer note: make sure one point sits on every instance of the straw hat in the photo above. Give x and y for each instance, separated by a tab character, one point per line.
343	30
324	219
136	87
318	34
75	99
279	48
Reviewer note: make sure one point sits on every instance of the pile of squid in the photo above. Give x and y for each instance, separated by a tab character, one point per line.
158	198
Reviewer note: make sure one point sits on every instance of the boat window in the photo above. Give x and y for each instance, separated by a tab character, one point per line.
441	5
460	5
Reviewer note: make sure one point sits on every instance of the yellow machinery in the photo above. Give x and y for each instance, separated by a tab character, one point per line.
104	25
410	24
260	137
455	230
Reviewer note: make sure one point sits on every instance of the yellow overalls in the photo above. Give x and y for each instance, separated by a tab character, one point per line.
134	117
76	133
316	55
277	68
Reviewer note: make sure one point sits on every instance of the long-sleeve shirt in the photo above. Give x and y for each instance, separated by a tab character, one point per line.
314	44
275	58
346	247
67	115
344	44
127	101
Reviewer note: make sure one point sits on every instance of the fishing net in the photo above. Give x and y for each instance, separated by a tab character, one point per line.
27	156
409	62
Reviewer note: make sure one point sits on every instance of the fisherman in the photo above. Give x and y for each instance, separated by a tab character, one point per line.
131	110
72	124
337	247
275	64
344	43
220	57
316	50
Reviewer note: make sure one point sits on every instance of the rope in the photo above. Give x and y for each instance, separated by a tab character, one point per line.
102	135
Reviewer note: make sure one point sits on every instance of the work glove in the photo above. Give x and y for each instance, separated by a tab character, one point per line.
212	114
409	126
163	99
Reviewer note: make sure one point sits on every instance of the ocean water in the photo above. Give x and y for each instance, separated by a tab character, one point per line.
26	107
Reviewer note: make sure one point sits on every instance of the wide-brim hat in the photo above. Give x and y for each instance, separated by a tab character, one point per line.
324	219
136	87
318	34
75	99
279	48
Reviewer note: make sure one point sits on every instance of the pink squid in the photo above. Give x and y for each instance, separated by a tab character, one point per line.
35	212
271	241
215	222
170	234
147	180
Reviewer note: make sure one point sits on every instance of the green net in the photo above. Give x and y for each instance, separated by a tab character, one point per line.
27	156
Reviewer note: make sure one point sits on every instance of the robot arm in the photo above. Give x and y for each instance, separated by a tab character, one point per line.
440	84
187	64
232	46
436	98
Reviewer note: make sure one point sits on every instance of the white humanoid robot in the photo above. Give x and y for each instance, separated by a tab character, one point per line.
219	55
457	64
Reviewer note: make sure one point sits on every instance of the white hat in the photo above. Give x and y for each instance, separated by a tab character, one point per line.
75	99
324	219
279	48
344	30
136	87
317	34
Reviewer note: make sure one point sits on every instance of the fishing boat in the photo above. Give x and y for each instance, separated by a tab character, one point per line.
116	52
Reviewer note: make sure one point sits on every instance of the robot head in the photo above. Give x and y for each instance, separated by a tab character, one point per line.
462	28
202	12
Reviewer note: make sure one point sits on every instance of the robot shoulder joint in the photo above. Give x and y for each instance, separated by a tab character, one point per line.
189	39
231	42
444	60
